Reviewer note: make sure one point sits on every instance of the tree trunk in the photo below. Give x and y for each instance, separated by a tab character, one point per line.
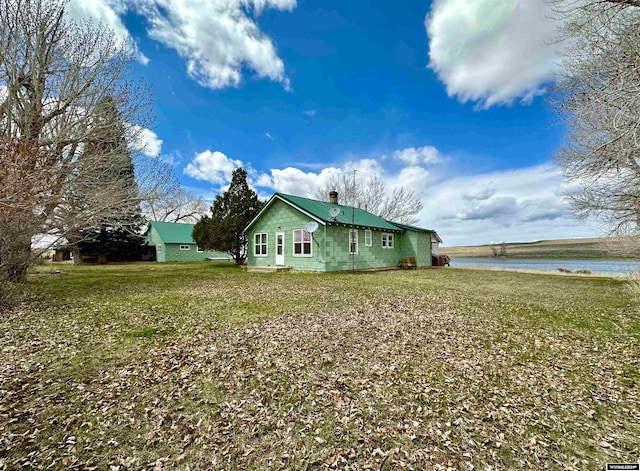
19	263
77	258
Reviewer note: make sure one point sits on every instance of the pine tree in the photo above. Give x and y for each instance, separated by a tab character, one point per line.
231	213
106	170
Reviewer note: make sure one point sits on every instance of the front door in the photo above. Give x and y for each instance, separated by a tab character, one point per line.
279	248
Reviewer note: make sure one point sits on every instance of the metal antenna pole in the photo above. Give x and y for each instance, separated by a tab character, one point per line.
353	219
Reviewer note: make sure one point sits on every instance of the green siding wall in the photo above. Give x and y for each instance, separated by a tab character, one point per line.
330	245
423	252
172	252
418	245
339	259
281	217
153	238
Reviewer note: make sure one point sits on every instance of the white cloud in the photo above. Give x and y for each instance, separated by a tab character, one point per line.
413	177
512	205
479	194
296	182
268	136
107	12
492	51
213	167
417	156
364	167
218	39
264	181
146	141
492	208
310	113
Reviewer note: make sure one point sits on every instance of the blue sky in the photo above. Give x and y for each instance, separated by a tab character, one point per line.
446	98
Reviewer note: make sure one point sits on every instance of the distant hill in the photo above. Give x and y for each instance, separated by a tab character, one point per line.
589	249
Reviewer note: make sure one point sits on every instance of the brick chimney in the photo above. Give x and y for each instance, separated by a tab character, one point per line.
333	197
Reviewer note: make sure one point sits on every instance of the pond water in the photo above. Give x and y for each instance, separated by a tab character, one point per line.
594	266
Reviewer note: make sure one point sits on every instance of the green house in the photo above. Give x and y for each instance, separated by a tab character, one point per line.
313	235
172	242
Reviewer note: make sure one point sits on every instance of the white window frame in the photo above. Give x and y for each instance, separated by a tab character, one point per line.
185	247
263	243
368	238
158	248
303	234
353	240
199	250
389	243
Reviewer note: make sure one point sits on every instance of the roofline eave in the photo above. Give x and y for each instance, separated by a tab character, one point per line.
365	226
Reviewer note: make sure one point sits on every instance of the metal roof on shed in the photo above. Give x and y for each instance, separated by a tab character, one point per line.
174	232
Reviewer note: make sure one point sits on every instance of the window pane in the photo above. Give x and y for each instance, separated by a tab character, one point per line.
307	249
306	236
297	235
297	248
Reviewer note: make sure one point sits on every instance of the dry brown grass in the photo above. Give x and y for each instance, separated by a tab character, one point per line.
201	368
594	248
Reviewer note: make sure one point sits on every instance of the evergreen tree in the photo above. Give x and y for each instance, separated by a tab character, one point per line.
106	170
230	214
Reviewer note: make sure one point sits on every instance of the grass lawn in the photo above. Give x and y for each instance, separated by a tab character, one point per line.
205	366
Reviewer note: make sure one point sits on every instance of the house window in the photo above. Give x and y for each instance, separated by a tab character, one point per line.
367	238
301	243
387	240
158	248
199	250
353	241
260	244
185	247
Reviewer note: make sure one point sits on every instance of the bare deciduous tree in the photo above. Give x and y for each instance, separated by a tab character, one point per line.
597	96
165	200
19	189
499	250
399	204
54	72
